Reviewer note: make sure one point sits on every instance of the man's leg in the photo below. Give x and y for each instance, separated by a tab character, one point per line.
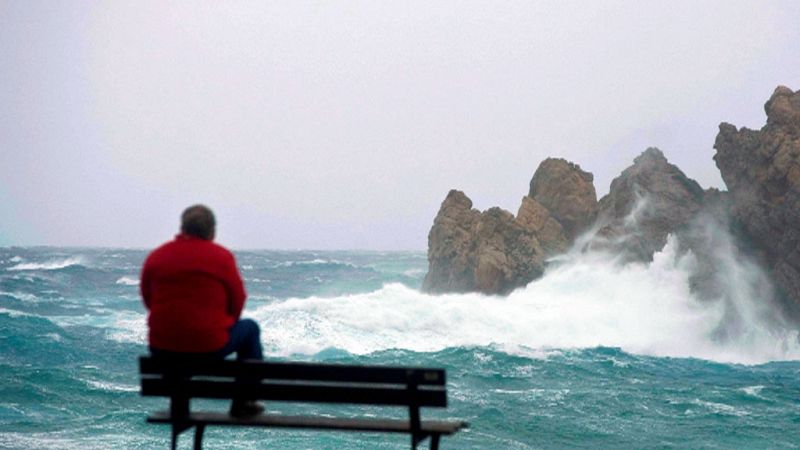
244	340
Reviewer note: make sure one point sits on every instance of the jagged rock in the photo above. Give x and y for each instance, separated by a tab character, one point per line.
762	172
449	246
491	252
568	194
648	201
535	218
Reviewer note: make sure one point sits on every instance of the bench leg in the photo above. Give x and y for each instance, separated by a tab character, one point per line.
198	436
434	442
417	438
177	429
175	434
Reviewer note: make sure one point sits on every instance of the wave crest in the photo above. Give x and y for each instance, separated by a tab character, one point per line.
49	265
128	281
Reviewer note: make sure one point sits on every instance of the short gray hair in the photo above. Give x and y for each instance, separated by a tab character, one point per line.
198	221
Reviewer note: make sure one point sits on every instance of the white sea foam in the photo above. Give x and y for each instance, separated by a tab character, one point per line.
49	265
113	387
121	326
720	408
584	302
15	314
129	327
24	296
754	391
313	262
60	440
128	281
15	259
537	394
55	337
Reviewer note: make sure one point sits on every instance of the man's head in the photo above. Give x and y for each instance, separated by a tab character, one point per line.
198	221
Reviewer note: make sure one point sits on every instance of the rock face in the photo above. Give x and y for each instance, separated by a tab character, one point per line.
494	252
491	252
568	194
762	172
648	201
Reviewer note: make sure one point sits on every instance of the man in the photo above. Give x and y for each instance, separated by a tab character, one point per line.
195	296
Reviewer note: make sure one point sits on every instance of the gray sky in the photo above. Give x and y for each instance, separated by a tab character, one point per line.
337	125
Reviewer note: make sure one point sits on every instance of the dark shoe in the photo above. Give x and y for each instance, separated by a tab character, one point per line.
248	408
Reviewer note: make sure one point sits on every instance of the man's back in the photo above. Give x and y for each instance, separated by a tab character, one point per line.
194	292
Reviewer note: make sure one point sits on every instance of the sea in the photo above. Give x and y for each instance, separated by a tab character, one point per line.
595	354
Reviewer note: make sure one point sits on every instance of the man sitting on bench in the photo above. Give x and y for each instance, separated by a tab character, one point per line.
195	296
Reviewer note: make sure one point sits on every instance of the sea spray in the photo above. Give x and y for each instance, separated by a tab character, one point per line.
585	301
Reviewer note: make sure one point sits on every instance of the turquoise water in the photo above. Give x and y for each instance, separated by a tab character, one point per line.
593	355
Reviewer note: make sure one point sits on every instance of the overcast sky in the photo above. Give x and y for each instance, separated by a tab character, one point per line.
342	125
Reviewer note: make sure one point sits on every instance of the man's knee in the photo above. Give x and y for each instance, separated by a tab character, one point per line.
250	325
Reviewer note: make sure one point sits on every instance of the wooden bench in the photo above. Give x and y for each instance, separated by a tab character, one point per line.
184	379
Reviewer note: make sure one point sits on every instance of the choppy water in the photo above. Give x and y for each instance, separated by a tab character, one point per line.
592	355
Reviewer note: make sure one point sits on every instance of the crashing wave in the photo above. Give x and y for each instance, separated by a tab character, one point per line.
586	302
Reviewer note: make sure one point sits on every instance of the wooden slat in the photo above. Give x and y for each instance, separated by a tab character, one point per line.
293	370
295	392
327	423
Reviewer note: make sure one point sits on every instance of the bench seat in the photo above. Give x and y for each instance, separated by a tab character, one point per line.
316	422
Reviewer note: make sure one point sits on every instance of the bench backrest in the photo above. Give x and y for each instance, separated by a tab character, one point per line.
293	382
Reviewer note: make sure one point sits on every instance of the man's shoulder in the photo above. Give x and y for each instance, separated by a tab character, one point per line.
220	250
180	248
159	252
165	247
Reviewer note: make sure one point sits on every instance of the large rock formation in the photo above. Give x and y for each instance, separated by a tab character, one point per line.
567	192
648	201
494	252
762	172
491	252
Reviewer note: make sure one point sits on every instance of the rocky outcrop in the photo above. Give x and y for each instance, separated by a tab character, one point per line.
491	252
648	201
494	252
536	219
568	194
762	172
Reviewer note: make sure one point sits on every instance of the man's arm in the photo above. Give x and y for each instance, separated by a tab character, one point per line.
144	284
235	288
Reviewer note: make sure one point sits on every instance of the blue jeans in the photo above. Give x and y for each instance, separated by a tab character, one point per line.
244	340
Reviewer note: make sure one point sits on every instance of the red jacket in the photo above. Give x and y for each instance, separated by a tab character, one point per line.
194	292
